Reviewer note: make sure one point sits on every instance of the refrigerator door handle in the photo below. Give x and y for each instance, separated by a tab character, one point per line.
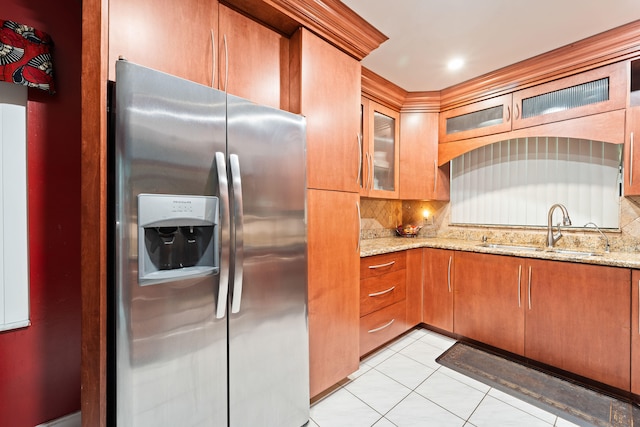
223	183
236	182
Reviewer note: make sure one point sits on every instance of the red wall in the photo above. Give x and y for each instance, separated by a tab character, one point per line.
40	364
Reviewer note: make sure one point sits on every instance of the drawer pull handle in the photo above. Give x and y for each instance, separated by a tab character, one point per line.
381	327
382	265
377	294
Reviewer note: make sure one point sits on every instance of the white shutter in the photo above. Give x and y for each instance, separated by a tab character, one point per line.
515	182
14	268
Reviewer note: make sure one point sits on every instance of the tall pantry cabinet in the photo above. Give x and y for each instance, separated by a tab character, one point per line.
326	89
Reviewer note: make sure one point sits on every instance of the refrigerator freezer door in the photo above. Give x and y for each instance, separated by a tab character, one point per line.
171	350
268	336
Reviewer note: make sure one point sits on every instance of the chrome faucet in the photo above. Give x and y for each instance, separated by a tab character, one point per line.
553	238
606	239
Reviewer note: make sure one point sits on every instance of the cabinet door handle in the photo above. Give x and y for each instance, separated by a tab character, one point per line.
359	137
631	162
386	291
213	59
508	113
435	176
370	331
449	273
387	264
359	226
519	285
365	171
516	115
529	291
372	171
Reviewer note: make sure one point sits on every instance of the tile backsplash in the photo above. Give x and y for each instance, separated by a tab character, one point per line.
380	217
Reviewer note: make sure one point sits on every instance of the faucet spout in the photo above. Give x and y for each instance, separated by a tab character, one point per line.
551	237
606	239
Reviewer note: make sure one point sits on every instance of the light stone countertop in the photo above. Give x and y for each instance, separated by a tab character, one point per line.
369	247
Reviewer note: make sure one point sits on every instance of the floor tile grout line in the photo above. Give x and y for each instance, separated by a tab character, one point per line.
396	348
522	410
447	409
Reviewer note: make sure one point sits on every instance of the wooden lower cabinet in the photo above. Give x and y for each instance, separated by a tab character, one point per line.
574	317
438	285
381	326
379	292
635	332
390	296
333	283
489	299
577	319
414	287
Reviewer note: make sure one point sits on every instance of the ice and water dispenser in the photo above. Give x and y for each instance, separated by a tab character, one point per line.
177	237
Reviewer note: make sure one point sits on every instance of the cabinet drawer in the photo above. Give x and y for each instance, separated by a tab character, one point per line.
381	291
381	326
382	264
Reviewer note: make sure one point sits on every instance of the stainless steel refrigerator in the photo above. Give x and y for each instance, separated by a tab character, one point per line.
209	308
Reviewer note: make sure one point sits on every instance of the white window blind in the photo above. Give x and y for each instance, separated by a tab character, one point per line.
515	182
14	270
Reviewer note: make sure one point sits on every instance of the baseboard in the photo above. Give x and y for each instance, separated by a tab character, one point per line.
71	420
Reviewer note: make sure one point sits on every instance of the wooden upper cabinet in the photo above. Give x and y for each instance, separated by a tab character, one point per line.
632	153
257	58
173	37
577	319
325	88
254	63
596	91
420	176
542	110
379	170
635	332
478	119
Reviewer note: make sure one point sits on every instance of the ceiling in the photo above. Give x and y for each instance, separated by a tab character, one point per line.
424	35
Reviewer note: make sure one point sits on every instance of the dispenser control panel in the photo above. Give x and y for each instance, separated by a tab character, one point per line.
177	237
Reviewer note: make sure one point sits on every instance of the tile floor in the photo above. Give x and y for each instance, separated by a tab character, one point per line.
402	385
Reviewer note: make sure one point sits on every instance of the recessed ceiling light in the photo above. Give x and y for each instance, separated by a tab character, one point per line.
455	64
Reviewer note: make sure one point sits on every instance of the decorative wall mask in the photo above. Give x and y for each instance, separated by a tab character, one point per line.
25	56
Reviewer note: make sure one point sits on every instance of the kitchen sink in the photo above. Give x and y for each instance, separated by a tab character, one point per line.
572	252
510	247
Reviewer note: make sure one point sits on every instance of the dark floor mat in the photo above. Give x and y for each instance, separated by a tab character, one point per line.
570	401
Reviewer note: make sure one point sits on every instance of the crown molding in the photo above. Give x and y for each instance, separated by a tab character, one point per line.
422	102
611	46
330	19
381	90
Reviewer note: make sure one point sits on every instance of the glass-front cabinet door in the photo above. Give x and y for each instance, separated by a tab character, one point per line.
380	154
481	118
